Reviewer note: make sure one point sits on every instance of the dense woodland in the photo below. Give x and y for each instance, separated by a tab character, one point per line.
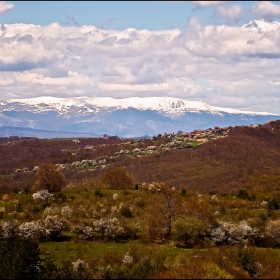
96	208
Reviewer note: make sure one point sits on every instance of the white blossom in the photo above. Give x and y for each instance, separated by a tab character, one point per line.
66	211
108	227
54	226
42	194
50	211
29	229
8	229
127	259
232	233
152	188
79	263
88	232
115	196
264	203
137	227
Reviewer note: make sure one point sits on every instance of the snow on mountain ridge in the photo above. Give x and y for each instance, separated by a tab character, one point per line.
86	105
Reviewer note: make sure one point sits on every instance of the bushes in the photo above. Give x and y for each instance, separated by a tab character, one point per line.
243	194
188	231
247	260
213	271
19	258
126	212
49	228
129	270
232	233
117	179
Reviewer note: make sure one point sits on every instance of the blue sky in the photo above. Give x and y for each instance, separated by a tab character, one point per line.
120	15
223	53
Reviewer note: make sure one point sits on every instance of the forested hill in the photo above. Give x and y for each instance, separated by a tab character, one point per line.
243	157
249	158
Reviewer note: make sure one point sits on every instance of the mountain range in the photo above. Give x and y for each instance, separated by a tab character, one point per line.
49	117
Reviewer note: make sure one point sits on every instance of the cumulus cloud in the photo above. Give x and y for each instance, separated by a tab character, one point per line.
5	7
266	10
222	65
232	14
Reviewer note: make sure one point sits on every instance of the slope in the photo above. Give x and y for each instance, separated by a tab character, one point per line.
249	158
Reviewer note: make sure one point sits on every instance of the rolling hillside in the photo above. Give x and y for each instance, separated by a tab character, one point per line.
248	157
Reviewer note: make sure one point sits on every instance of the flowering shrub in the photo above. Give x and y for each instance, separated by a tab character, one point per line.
79	264
42	194
54	225
127	259
8	229
51	211
87	233
66	211
108	227
30	229
231	233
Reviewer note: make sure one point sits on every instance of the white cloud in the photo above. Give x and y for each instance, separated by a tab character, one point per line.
208	3
221	65
232	14
5	6
266	10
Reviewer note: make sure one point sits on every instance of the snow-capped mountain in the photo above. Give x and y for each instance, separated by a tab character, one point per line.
261	25
133	116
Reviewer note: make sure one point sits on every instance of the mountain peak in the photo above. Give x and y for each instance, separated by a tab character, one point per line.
169	106
126	117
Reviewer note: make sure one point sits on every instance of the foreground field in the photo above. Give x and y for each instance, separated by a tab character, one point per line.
171	233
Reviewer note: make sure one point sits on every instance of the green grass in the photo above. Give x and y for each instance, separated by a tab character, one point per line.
93	252
85	250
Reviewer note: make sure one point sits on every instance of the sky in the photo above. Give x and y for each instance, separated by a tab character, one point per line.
224	53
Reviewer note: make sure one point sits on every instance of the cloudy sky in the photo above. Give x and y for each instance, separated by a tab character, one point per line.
192	50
